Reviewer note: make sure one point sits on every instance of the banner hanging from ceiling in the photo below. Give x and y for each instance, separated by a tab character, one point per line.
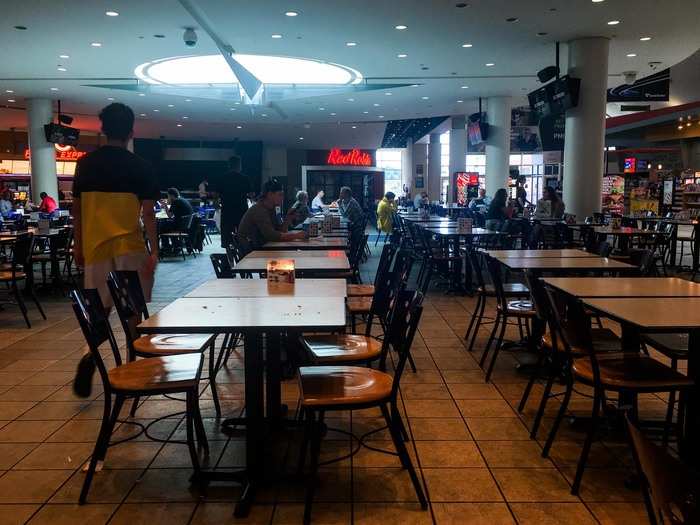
648	89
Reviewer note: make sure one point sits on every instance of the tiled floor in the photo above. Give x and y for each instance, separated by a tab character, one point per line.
470	446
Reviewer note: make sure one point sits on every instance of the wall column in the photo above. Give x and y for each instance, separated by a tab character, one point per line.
407	170
458	149
584	137
43	154
498	144
420	165
434	153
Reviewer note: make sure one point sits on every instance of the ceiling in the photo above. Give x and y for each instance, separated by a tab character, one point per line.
435	61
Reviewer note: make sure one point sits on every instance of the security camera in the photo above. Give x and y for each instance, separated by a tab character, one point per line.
630	77
189	37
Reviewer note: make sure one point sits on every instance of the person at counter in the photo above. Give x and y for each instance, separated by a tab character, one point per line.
499	210
300	208
480	200
233	189
550	204
420	200
317	203
48	204
6	203
260	223
386	209
349	207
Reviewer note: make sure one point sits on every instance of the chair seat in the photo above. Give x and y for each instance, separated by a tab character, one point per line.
174	234
671	345
510	289
359	305
631	372
42	257
519	309
604	340
157	373
360	290
6	276
170	344
339	348
330	386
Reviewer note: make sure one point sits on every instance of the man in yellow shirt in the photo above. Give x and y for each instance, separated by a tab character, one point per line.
386	209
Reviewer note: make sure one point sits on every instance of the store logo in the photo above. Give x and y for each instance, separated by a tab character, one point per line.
62	153
354	157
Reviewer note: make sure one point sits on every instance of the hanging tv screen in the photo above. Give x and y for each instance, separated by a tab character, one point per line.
477	129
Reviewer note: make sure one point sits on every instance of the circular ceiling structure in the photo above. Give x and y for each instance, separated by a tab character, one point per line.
213	69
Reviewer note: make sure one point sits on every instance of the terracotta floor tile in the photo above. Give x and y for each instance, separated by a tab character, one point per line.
472	514
447	428
461	485
28	431
382	513
30	486
517	454
75	431
498	428
28	393
322	513
108	486
16	514
334	485
12	409
533	484
417	408
552	514
11	453
56	456
176	455
463	376
70	514
453	454
59	410
474	391
425	391
473	408
155	514
619	513
605	485
383	485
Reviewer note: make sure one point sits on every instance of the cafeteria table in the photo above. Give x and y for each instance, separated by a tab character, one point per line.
259	288
565	264
663	315
314	243
291	254
254	317
550	253
302	265
624	286
624	234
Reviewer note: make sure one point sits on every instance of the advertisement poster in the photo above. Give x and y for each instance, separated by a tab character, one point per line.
524	133
652	88
668	192
613	194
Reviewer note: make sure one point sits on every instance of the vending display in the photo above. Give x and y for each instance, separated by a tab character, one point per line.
466	185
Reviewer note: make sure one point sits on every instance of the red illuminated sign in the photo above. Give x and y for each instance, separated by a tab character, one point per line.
353	157
62	154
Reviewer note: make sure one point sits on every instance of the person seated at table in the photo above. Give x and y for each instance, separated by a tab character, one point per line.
47	204
177	210
499	210
550	204
301	208
317	203
386	209
349	207
6	203
521	201
481	200
420	200
260	223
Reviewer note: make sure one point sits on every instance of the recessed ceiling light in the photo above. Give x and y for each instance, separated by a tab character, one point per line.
54	89
351	44
401	55
597	1
645	39
185	117
9	91
415	85
11	100
232	109
388	93
380	116
111	13
465	87
467	45
96	44
365	112
301	138
354	127
425	98
142	114
156	110
63	56
264	115
631	55
188	100
61	68
110	98
179	125
237	103
490	64
171	105
334	114
291	13
401	27
460	101
239	127
351	100
276	35
142	94
613	22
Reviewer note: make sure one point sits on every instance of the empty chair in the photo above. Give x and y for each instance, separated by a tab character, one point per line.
178	374
222	268
368	290
19	270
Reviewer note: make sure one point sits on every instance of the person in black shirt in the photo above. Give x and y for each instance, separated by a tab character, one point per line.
177	209
233	189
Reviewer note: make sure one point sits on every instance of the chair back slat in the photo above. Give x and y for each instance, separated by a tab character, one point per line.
129	302
222	268
407	311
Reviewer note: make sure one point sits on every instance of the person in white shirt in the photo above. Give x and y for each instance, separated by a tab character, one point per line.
420	200
6	203
317	203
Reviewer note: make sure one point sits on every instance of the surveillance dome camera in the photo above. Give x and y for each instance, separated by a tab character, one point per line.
189	37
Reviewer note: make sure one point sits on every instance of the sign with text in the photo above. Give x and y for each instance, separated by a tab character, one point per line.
354	157
62	153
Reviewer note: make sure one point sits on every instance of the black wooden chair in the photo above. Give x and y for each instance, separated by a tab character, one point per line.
222	268
177	374
339	388
20	270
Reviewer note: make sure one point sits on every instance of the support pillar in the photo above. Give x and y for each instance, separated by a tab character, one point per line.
420	165
498	144
407	170
584	138
458	149
43	154
434	159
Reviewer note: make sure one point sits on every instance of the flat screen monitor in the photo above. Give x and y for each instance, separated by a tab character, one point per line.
539	103
477	129
630	165
63	135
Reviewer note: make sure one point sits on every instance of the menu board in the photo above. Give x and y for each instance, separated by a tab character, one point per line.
613	194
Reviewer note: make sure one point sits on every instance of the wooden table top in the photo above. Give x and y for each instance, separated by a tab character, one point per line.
293	254
564	263
453	231
316	264
258	288
652	314
607	230
566	252
14	234
625	286
218	315
316	243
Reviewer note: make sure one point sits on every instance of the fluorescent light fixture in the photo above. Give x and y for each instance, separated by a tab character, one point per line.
276	36
61	68
465	87
490	64
401	27
9	91
613	22
171	105
291	13
96	44
179	125
54	89
351	44
631	55
467	45
645	39
353	127
11	100
63	56
425	98
388	93
142	94
110	98
111	13
301	138
401	55
239	127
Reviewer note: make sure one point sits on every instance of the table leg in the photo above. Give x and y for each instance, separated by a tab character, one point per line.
674	245
688	446
274	376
